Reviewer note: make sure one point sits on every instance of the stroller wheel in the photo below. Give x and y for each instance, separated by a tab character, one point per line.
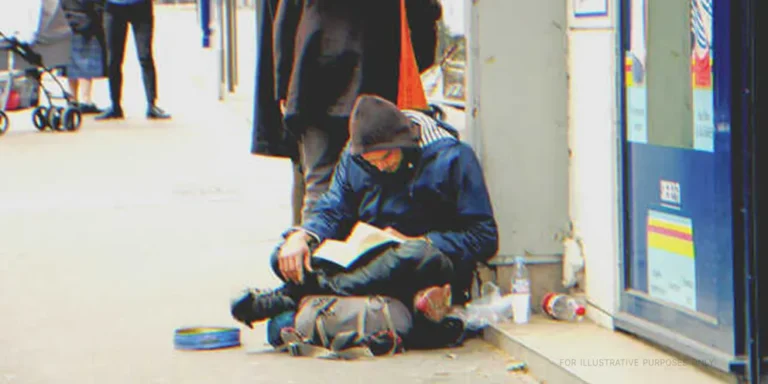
72	119
3	122
54	116
39	118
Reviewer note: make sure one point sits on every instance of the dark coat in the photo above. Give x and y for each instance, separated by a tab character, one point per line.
269	136
443	195
85	17
328	52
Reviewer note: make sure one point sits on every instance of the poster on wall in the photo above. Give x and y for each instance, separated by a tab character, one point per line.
590	8
634	66
701	72
671	259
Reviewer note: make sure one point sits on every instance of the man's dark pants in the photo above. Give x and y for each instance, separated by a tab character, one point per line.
412	266
140	16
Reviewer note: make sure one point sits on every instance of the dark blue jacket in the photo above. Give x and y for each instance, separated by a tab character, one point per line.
443	195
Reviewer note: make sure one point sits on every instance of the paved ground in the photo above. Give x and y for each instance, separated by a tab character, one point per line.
112	237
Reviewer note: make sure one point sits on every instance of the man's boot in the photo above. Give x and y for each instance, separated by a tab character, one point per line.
254	305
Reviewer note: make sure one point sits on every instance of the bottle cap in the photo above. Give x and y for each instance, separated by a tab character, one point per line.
580	310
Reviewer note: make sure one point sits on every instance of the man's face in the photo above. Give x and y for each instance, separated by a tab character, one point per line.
385	160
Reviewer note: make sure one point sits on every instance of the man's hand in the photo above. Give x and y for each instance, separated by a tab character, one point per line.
282	107
398	234
294	256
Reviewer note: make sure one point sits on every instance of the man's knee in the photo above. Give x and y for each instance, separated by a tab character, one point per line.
425	259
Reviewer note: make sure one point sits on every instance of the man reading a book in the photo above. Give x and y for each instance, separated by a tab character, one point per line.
404	172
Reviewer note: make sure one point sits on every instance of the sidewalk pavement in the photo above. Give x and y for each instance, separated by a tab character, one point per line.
113	236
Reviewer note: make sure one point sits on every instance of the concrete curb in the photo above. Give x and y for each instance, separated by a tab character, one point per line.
539	365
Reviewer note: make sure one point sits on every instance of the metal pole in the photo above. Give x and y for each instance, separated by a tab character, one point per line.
230	47
751	258
234	44
222	59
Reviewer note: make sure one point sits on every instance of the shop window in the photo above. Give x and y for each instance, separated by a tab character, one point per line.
668	74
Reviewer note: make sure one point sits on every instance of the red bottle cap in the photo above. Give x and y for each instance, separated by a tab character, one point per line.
580	311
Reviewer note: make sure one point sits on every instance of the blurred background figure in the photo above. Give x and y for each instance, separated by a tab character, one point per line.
270	138
139	14
88	59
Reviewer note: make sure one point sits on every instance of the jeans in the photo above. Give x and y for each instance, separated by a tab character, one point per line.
116	20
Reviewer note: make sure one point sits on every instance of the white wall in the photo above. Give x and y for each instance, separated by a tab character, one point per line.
593	141
517	104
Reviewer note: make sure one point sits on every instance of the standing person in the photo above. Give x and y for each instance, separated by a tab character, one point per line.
327	53
88	55
270	138
140	15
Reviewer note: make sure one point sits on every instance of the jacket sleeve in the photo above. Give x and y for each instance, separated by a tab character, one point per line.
286	23
335	213
474	236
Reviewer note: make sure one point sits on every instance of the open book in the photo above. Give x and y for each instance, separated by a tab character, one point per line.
362	238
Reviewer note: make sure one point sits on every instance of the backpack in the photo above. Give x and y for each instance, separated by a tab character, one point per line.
334	327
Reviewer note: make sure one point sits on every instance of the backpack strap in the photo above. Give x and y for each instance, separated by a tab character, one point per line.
297	346
391	326
320	327
319	324
361	318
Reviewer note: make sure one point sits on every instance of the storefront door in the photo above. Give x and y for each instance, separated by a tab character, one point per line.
679	241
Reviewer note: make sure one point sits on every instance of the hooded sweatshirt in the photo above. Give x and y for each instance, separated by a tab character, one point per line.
440	194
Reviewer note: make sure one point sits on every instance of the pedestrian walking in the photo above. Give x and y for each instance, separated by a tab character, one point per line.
88	50
139	14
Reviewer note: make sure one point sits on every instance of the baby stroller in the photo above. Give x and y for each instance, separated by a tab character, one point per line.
43	45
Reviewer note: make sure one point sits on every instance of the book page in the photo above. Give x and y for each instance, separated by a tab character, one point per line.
362	238
336	251
365	236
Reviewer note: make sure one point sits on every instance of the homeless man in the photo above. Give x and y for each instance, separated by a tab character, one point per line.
403	171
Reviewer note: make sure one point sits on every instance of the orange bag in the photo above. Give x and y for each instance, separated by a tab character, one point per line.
410	90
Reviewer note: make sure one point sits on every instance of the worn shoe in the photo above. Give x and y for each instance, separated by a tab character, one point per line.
155	112
433	302
111	114
254	305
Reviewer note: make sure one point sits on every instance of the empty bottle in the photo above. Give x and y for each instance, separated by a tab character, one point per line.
482	312
521	292
563	307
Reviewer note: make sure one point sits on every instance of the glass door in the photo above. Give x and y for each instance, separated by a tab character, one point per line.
679	258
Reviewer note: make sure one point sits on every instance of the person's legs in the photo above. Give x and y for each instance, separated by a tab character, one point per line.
86	103
297	192
398	272
87	97
116	29
321	145
142	21
74	89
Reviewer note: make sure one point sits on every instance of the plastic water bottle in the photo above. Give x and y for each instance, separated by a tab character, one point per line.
480	312
521	292
563	307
